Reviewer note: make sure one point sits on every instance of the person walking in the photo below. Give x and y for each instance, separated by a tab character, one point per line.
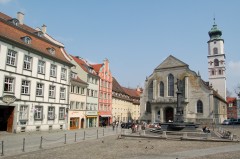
113	125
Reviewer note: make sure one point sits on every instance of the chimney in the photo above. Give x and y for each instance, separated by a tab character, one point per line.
44	29
20	17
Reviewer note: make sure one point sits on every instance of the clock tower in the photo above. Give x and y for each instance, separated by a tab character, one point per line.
216	61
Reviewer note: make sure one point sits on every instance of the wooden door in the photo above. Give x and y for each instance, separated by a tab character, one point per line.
10	119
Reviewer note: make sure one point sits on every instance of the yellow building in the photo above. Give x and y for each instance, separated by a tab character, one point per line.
125	103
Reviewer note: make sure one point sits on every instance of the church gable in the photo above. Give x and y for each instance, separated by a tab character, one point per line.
171	62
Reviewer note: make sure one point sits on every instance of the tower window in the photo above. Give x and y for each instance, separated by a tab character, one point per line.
213	72
219	72
216	62
215	50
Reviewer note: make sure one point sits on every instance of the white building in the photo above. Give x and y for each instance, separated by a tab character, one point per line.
34	73
87	74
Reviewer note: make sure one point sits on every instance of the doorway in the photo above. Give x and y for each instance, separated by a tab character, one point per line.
6	118
74	123
169	114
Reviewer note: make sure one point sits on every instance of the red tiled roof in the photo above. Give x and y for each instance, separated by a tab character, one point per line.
231	99
116	87
97	67
132	92
14	34
82	64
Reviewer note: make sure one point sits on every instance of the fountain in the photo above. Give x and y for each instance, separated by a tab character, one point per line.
178	123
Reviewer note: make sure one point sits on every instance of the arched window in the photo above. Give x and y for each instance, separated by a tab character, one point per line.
150	91
199	106
213	72
148	107
161	89
170	85
219	72
216	62
215	50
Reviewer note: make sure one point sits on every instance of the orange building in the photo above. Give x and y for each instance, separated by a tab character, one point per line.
105	92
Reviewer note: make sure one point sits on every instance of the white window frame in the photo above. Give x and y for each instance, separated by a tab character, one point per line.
61	113
53	70
38	113
23	112
41	67
39	89
63	73
52	90
11	57
27	64
62	93
51	113
25	88
9	83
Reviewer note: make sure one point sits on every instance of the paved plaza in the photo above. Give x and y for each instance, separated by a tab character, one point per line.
112	147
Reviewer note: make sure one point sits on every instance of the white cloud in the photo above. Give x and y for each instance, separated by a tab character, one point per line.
4	1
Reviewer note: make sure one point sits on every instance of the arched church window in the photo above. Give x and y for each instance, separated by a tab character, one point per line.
170	85
215	50
199	106
161	89
150	91
216	62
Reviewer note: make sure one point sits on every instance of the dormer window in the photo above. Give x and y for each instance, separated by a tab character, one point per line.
39	33
14	21
27	40
51	51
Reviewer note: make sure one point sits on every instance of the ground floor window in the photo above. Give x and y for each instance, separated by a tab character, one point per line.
38	113
23	112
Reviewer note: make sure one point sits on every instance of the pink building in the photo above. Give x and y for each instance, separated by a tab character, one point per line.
105	93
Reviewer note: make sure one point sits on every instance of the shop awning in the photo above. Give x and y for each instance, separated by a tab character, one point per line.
106	115
91	116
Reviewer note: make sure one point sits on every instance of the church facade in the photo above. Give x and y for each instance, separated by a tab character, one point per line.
199	102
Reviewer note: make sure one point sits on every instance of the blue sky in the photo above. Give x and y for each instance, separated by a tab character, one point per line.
137	35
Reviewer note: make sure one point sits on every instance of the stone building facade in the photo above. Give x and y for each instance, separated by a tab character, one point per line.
199	102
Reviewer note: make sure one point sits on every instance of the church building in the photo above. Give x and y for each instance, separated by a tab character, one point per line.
201	102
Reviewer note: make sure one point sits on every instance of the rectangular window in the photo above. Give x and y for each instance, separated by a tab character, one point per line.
82	91
88	92
72	89
82	105
77	105
39	89
61	113
92	93
11	57
72	105
41	67
51	112
53	70
8	84
38	113
88	106
51	91
27	62
62	93
23	112
25	87
63	73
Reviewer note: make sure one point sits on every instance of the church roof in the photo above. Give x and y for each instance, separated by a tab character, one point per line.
171	62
